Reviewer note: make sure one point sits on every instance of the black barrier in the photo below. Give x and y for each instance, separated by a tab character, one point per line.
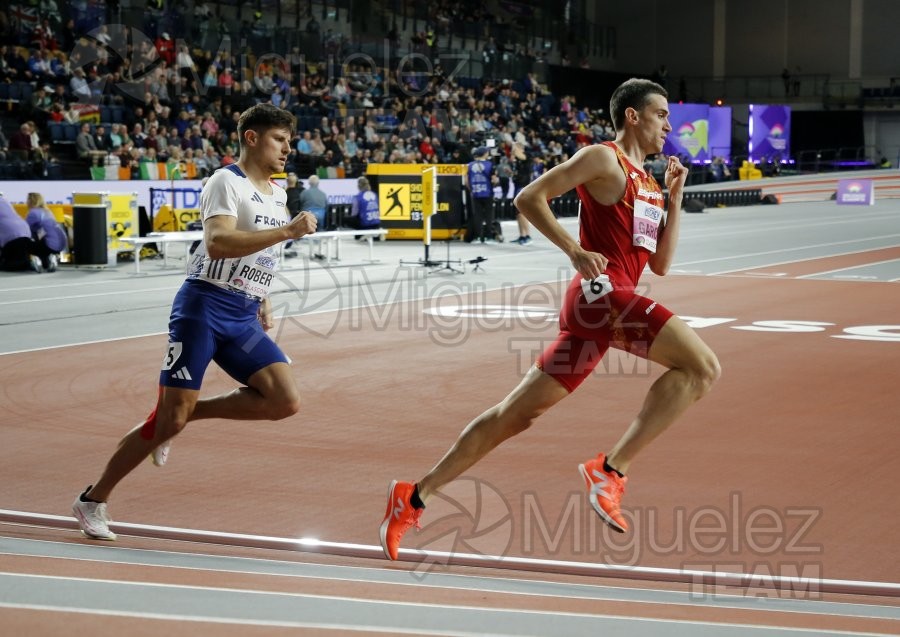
89	234
336	215
565	205
504	209
725	198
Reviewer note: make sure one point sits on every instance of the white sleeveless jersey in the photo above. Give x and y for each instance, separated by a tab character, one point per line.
230	192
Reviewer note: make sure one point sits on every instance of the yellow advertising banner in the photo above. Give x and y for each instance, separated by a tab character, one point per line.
122	220
408	194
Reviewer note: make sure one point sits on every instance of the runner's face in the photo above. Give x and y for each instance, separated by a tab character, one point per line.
273	148
653	124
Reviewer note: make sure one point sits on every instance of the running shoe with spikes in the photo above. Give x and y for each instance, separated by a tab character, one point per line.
399	517
160	455
605	491
92	517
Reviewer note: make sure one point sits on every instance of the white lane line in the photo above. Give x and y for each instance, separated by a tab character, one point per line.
803	260
767	227
454	581
852	267
792	249
637	573
170	288
212	619
392	606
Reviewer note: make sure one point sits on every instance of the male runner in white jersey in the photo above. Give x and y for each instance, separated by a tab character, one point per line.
221	311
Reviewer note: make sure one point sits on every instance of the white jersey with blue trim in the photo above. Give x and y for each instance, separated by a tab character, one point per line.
230	192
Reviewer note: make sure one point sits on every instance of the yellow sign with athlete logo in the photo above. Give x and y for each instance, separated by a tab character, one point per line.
394	201
410	196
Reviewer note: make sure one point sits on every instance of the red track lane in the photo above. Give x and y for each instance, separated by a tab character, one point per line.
806	267
763	476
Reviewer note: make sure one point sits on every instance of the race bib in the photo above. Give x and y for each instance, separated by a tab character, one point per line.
255	274
596	288
647	219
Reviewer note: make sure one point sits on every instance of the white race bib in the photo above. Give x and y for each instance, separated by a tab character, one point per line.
596	288
255	273
647	220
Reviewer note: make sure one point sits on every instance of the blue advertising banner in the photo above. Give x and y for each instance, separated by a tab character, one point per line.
770	132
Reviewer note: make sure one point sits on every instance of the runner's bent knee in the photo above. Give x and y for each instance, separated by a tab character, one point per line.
284	407
171	419
276	385
705	372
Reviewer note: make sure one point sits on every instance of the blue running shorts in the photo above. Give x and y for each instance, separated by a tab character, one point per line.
213	324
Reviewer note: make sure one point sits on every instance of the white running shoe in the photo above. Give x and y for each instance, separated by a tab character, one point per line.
92	518
160	455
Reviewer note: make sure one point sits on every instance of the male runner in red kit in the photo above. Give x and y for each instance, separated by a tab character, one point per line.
623	227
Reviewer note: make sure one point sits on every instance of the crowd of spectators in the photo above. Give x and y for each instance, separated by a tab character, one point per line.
181	104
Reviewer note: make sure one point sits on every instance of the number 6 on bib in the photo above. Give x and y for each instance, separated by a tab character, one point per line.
596	288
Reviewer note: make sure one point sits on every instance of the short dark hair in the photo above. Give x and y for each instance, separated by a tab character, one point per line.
262	117
632	93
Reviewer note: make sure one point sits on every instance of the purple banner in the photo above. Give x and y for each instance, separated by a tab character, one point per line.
720	132
690	132
770	132
856	192
700	132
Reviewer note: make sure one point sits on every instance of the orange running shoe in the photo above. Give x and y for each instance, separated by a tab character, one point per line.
605	492
399	516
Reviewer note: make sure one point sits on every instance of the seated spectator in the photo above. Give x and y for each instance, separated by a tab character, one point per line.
56	115
101	139
209	124
115	137
17	248
103	36
42	37
211	77
70	115
183	59
9	63
207	163
86	147
79	87
39	150
196	138
38	69
138	136
316	145
166	48
58	96
226	80
49	237
304	146
20	144
228	157
40	104
183	122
